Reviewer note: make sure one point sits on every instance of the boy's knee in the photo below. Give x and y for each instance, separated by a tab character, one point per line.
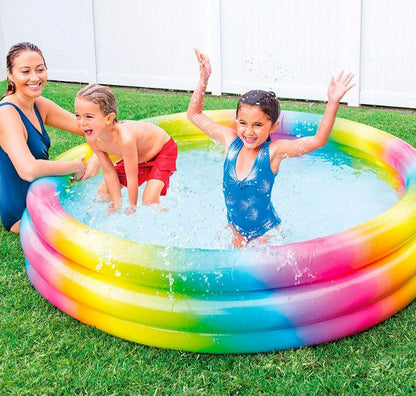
151	193
150	197
150	201
102	189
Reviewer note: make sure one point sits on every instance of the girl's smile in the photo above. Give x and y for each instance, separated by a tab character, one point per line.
253	126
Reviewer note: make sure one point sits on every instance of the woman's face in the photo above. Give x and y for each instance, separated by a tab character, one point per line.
29	74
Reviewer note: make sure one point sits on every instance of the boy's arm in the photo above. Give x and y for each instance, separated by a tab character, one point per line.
218	132
131	161
293	148
110	176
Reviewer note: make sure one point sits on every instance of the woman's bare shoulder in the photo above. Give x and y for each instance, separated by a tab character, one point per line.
8	114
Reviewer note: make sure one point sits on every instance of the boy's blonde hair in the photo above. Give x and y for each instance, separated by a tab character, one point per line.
100	95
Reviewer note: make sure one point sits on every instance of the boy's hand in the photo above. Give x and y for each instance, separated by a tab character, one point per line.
337	88
130	210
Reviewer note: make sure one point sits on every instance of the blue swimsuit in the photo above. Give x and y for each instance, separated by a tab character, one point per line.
248	201
13	189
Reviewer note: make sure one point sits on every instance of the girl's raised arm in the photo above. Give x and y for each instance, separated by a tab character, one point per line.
218	132
292	148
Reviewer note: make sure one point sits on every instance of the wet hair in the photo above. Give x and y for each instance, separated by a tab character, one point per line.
13	53
266	100
100	95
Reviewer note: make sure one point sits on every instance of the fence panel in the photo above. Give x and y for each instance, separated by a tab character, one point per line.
59	28
388	53
289	46
149	50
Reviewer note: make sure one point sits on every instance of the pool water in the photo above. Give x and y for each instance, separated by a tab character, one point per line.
315	195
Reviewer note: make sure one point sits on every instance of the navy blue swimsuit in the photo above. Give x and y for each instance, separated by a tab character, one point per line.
13	188
248	201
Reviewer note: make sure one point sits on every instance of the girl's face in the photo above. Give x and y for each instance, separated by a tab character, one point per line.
29	74
91	120
253	126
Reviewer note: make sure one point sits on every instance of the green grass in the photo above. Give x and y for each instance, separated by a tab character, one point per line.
44	351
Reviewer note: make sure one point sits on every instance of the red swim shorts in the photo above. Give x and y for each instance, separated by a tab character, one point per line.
160	168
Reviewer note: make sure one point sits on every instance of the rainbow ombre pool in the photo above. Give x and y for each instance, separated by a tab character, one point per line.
231	300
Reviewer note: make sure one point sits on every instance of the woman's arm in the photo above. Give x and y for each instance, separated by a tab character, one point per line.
57	117
218	132
13	141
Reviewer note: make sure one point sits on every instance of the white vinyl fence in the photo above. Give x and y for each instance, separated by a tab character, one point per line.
289	46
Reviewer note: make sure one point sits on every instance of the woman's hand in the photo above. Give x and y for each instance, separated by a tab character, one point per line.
93	166
80	167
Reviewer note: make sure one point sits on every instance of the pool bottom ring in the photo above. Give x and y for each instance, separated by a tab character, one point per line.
231	300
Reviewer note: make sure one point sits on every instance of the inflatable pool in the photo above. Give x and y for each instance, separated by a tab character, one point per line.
231	300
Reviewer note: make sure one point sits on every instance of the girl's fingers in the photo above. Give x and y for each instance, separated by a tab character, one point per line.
198	55
348	78
340	75
350	86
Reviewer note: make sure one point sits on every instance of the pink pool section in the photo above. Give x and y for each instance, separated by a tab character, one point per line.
232	300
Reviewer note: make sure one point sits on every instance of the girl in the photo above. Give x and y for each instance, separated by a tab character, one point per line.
252	159
24	142
148	153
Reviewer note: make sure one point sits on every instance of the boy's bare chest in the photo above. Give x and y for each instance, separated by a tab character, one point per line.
111	147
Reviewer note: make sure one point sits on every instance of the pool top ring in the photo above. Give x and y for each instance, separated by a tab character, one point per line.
231	300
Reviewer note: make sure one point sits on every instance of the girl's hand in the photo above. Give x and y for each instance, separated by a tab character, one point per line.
204	65
337	88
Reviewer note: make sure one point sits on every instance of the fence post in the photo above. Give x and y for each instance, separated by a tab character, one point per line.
214	21
353	96
90	41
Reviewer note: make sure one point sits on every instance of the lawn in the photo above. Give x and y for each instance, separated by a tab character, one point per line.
44	351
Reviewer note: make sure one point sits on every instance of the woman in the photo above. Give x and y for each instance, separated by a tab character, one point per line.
24	142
